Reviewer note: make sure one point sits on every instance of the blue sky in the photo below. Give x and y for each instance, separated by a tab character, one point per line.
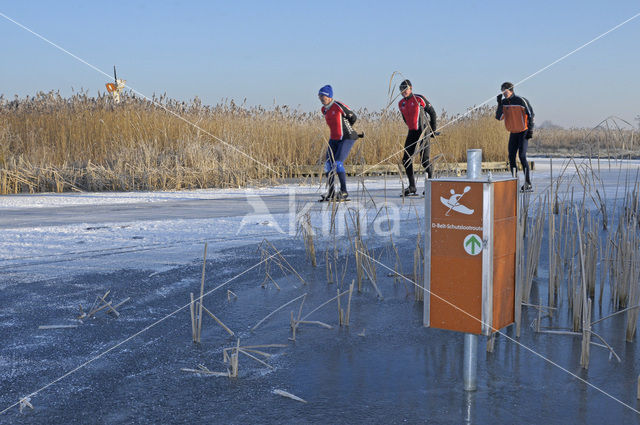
456	53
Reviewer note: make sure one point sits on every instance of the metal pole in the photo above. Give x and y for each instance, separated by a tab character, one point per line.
474	163
474	170
470	361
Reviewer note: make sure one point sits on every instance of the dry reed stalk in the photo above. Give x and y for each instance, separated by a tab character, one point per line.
539	316
122	302
24	403
418	269
372	279
301	305
272	254
293	326
199	317
230	293
262	353
231	355
398	264
287	394
255	358
105	305
57	326
615	314
289	266
349	303
586	302
533	245
604	344
632	314
276	310
314	322
193	318
323	304
552	232
586	337
362	254
234	358
520	265
203	370
213	316
358	266
295	322
247	347
94	305
305	228
339	309
329	272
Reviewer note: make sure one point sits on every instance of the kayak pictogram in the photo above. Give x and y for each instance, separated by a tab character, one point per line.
453	202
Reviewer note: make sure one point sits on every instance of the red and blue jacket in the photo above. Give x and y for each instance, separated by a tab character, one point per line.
415	109
340	120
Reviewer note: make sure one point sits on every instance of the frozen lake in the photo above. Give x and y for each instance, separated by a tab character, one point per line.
58	251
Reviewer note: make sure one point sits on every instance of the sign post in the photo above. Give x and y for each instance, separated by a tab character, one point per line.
470	256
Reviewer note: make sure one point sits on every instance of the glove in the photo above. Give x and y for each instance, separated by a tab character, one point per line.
529	134
499	98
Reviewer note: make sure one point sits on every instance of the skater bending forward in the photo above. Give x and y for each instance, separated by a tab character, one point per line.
340	120
414	109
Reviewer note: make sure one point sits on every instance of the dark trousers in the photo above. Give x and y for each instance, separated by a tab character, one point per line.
410	145
518	144
336	155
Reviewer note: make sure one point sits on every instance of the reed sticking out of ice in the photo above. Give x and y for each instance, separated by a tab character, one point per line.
363	256
277	310
418	269
533	243
204	266
306	230
195	306
286	394
270	255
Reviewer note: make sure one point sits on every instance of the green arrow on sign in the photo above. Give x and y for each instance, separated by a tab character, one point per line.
473	241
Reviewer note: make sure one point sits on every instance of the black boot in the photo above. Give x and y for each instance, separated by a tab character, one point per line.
526	187
409	191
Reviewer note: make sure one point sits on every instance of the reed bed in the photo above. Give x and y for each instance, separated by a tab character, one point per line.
49	143
612	138
593	253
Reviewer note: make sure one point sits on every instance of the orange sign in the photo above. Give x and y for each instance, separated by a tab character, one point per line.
456	290
470	254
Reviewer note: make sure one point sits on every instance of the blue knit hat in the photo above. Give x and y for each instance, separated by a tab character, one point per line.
326	91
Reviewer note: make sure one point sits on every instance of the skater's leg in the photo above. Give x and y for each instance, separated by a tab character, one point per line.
407	159
522	155
330	166
425	156
513	149
344	147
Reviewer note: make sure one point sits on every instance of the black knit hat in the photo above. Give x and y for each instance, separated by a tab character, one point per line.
404	85
506	86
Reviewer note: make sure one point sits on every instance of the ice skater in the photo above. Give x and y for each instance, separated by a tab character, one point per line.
518	116
340	120
414	109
